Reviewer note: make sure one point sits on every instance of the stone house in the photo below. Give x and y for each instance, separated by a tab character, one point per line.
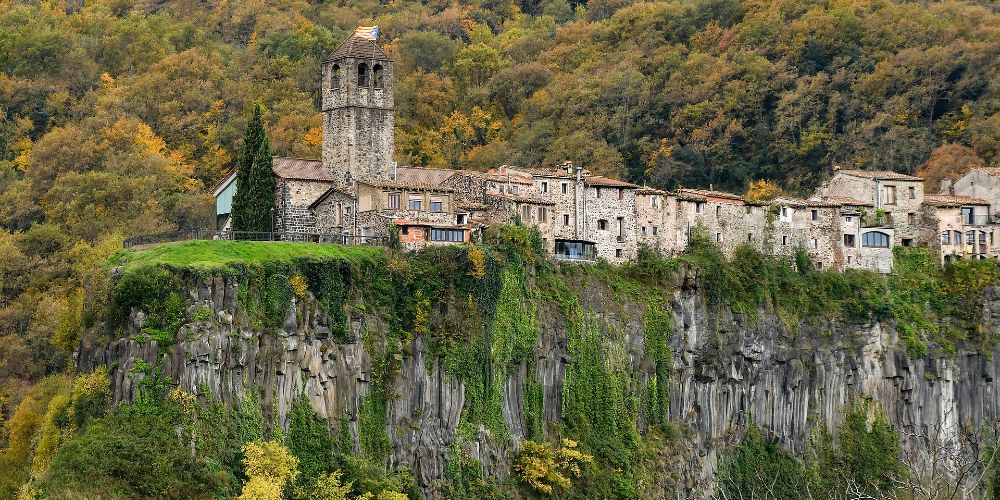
654	219
980	183
898	196
962	228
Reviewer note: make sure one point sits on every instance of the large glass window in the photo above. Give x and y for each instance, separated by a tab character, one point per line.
394	200
414	204
946	237
875	239
437	206
453	235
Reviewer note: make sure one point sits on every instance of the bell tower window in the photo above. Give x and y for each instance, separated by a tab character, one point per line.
362	75
335	79
377	79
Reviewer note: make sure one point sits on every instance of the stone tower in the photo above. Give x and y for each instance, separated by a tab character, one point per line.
357	112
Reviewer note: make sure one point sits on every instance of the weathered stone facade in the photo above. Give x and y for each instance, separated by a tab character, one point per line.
358	116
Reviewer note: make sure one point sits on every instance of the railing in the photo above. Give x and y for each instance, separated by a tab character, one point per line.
975	220
577	257
208	234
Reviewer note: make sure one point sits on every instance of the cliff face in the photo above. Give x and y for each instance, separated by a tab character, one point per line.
725	371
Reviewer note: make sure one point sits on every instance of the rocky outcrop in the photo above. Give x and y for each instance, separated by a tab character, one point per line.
726	371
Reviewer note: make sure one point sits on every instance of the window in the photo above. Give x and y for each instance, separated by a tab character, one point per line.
749	209
543	214
621	194
946	237
848	218
848	259
405	230
814	214
394	200
618	253
958	237
749	236
515	190
525	213
379	80
362	75
907	242
967	215
889	195
565	219
621	229
545	187
875	239
813	243
462	219
654	202
784	211
982	238
655	230
414	204
437	206
718	210
784	239
643	230
565	188
335	77
598	192
970	238
849	240
718	237
699	207
453	235
913	192
911	218
602	224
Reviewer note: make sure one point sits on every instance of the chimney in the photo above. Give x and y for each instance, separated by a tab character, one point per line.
947	187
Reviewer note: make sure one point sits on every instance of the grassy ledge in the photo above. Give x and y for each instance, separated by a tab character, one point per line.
218	255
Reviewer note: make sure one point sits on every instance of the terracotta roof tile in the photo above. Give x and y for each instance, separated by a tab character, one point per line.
344	191
992	171
397	184
649	191
710	194
880	175
943	200
298	168
360	47
424	176
600	180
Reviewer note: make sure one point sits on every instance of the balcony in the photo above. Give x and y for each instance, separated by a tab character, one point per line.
876	218
968	219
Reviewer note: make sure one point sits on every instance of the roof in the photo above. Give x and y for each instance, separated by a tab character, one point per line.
685	196
346	192
601	181
471	206
360	47
408	222
509	178
843	200
424	176
879	175
991	171
790	201
944	200
397	184
224	182
551	172
705	193
522	199
650	190
299	168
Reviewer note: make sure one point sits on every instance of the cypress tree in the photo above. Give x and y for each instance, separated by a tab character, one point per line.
260	190
252	138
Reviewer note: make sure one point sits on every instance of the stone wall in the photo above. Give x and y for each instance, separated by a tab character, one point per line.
292	200
617	243
335	214
979	184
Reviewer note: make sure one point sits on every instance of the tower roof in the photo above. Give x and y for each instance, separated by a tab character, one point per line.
359	46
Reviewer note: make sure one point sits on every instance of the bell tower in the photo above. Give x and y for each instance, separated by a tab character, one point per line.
358	110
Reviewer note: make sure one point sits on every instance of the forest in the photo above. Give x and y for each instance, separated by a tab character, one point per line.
118	116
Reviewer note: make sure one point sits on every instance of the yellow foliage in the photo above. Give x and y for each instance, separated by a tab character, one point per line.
50	435
22	430
269	460
545	470
185	400
300	287
314	136
262	488
67	332
762	190
478	260
328	487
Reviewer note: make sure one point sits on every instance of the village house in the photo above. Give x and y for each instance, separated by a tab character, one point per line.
356	193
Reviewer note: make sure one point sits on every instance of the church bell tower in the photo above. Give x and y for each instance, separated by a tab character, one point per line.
358	110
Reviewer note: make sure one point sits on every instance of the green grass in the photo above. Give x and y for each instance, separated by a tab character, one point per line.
214	255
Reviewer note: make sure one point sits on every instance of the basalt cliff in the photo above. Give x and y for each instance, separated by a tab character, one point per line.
560	351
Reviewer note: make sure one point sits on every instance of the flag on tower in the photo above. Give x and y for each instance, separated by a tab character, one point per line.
367	32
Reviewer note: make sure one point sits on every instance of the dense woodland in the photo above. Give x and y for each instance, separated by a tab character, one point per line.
117	116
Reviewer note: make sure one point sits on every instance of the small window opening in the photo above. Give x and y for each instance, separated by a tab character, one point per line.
379	80
335	78
362	75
